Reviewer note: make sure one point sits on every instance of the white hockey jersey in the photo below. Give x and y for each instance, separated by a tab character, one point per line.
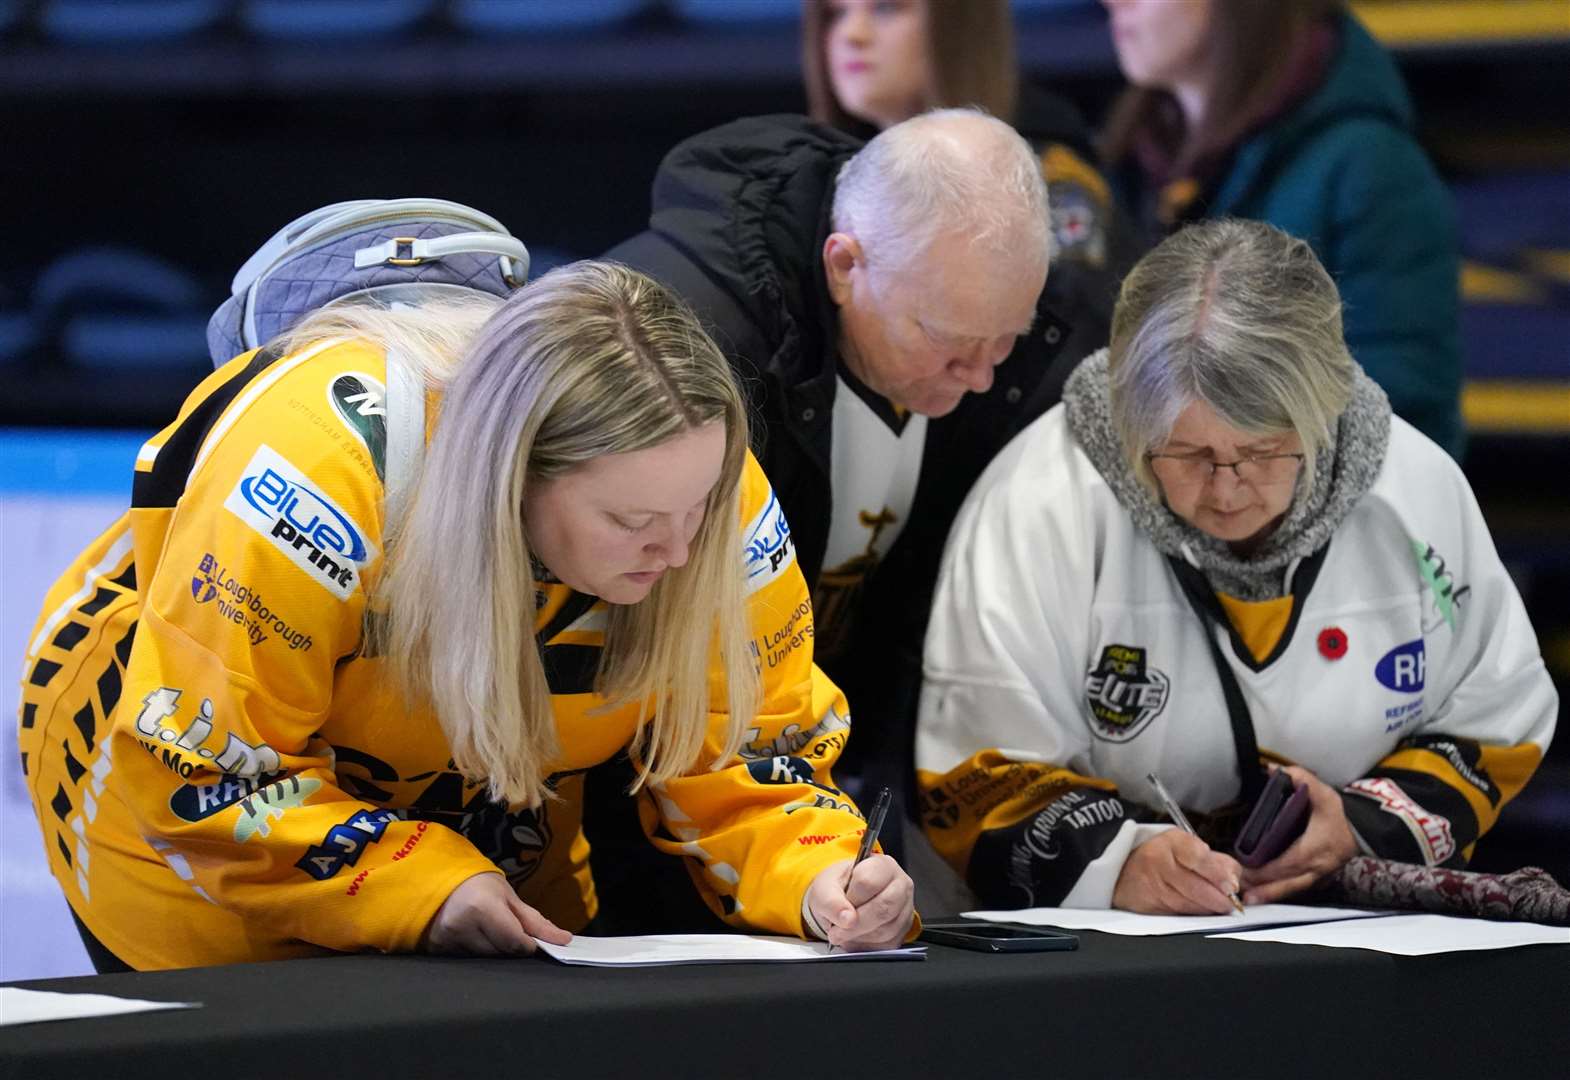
1063	663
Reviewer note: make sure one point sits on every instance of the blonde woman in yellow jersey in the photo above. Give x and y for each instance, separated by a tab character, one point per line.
380	600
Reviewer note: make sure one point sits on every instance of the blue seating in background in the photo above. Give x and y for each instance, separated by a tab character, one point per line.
105	277
297	19
18	336
10	11
1494	227
737	12
1031	9
112	307
1510	341
123	22
511	17
176	340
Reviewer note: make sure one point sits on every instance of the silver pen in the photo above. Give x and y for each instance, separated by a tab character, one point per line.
1175	812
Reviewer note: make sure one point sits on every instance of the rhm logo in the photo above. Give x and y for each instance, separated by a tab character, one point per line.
1403	668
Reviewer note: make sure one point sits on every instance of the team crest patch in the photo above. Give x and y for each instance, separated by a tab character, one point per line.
1124	693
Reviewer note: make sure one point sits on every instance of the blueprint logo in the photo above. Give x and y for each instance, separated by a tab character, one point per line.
766	545
280	502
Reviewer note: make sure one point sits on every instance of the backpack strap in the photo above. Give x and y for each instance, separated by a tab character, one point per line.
408	251
1196	590
405	450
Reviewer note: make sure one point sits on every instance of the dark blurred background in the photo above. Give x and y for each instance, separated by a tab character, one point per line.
147	147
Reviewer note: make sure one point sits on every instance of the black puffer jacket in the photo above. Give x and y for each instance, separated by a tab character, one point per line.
740	215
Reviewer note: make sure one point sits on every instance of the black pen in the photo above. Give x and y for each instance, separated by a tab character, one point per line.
869	837
1175	812
874	823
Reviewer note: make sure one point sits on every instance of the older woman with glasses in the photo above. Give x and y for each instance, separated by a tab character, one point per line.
1221	558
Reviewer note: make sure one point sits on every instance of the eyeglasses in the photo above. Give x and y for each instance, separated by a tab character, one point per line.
1192	470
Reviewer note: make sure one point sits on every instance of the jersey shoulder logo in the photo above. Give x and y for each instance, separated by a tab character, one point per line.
1124	693
360	401
1445	595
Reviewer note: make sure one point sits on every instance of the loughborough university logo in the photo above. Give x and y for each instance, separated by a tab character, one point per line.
1124	693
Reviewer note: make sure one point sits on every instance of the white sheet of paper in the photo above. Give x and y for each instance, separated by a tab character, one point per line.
1414	935
19	1006
1112	921
651	949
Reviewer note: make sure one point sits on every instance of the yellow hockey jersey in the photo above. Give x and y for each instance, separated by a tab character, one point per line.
222	773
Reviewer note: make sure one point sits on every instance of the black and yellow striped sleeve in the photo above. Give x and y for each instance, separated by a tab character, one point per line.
1021	834
1430	800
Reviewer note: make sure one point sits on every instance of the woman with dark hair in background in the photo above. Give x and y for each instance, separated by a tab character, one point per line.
1289	112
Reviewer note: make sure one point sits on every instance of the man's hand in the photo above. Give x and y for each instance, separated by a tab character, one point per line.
1177	874
1326	844
484	917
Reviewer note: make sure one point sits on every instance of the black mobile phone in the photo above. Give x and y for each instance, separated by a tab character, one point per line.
997	937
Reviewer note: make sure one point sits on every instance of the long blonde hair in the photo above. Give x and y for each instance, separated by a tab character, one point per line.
429	336
591	359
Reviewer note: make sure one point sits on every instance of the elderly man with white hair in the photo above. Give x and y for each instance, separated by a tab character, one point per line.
889	309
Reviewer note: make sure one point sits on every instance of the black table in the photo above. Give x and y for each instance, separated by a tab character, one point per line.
1118	1007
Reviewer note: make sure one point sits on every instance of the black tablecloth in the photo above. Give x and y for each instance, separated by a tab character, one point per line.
1117	1007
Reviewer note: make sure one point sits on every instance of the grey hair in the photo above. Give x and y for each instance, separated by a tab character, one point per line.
948	171
1236	314
591	359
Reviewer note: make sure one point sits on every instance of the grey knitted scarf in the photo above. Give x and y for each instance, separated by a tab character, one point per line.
1343	472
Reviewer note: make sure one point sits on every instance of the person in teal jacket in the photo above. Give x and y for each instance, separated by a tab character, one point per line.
1289	112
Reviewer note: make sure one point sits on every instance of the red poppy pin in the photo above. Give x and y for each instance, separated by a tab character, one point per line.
1332	643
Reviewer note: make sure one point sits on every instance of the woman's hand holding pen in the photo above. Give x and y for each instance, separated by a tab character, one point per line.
484	917
1174	873
868	907
1325	845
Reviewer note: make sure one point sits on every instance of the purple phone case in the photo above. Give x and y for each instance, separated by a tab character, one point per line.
1288	823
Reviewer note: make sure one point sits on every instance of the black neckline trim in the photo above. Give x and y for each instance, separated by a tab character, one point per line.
576	605
881	406
1203	596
